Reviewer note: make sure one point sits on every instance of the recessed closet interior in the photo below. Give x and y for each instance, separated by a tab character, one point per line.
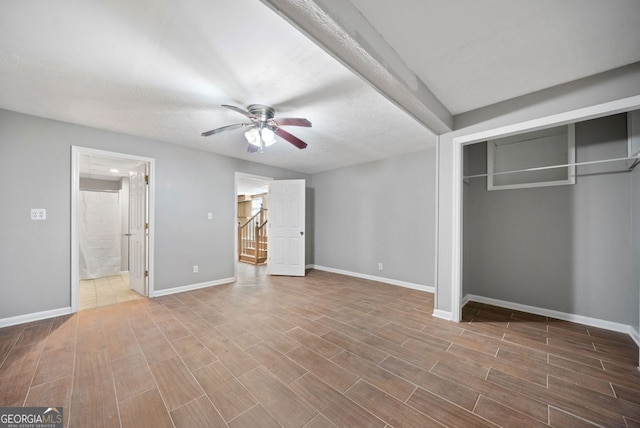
570	248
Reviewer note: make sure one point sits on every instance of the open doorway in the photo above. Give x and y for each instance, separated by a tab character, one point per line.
252	210
111	208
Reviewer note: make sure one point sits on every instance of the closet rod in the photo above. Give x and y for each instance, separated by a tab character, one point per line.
541	168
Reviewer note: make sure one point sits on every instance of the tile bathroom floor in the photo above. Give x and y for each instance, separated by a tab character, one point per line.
105	291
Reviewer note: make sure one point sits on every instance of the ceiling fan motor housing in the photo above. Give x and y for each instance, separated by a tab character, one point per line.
263	112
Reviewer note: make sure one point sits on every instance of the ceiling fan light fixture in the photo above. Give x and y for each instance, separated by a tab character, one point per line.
253	137
268	136
263	127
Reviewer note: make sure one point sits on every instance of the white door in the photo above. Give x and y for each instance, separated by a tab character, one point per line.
286	228
137	229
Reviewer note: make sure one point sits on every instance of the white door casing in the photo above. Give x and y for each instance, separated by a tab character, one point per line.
286	236
76	153
138	230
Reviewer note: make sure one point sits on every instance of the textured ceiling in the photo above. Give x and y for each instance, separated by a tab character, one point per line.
474	53
162	68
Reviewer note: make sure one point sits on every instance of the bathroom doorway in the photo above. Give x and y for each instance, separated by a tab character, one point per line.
111	225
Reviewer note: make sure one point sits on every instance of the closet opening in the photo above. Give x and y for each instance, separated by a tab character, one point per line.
567	250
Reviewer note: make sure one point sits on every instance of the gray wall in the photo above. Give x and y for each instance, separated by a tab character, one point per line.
381	211
35	172
565	248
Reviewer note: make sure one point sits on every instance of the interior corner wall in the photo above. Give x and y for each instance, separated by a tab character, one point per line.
565	248
189	183
379	212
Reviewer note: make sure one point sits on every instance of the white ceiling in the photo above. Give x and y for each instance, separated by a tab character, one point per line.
251	185
474	53
105	167
162	68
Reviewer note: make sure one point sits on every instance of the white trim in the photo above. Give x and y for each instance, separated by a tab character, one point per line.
168	291
634	335
445	315
124	272
586	113
36	316
466	299
580	319
419	287
582	114
437	223
456	246
76	151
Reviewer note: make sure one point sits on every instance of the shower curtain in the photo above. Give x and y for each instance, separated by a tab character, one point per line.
98	234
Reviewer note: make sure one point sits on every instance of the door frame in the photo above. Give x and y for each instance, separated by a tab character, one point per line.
76	152
235	215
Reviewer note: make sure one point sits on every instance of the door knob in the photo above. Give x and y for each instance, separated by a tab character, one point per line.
301	233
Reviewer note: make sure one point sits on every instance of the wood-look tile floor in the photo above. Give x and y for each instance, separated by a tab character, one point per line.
321	351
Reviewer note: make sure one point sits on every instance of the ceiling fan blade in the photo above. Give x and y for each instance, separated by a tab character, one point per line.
292	121
241	111
291	138
252	149
225	128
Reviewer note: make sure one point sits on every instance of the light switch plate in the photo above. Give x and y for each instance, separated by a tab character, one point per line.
38	214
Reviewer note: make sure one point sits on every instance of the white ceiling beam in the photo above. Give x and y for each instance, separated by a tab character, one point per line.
342	30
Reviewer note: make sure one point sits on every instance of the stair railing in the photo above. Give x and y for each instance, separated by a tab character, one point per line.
253	235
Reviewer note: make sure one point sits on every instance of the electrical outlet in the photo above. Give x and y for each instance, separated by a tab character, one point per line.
195	268
38	214
210	216
380	267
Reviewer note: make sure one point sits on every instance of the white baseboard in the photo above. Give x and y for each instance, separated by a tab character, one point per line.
419	287
168	291
580	319
124	272
37	316
466	299
635	335
445	315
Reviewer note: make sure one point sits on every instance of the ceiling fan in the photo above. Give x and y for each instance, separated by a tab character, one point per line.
263	127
